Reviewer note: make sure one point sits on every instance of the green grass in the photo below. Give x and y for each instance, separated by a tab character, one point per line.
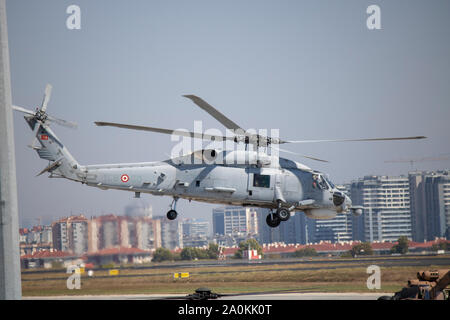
223	279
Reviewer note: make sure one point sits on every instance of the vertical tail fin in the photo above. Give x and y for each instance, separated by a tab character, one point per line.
50	148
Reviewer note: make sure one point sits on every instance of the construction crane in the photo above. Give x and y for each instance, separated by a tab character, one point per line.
412	161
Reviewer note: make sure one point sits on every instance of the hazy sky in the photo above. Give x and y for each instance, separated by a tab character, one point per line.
309	68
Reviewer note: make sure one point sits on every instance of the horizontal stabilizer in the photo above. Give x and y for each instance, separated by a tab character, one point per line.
50	167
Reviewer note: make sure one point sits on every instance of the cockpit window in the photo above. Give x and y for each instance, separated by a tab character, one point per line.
319	182
330	183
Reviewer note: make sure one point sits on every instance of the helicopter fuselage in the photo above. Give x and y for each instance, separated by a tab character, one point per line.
237	177
252	179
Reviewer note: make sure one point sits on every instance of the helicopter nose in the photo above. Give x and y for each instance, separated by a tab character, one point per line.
341	201
338	198
348	201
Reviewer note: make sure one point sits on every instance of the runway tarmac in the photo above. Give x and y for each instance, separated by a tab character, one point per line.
270	296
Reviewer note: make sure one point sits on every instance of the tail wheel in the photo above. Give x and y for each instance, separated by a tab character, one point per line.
172	215
273	220
283	214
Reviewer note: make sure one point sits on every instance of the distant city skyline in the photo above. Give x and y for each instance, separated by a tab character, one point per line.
416	207
144	206
311	69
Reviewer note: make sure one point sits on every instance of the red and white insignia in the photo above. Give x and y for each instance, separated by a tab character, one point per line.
44	137
124	178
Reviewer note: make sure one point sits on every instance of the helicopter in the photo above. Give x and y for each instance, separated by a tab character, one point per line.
238	177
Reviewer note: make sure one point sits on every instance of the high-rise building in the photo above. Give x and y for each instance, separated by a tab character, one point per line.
78	235
70	234
46	234
111	231
195	233
148	233
233	220
171	233
218	221
430	204
60	235
334	230
195	228
386	201
437	201
418	206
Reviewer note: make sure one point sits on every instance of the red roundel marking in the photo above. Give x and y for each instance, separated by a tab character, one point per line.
124	178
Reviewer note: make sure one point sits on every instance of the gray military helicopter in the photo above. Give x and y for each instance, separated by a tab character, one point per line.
237	177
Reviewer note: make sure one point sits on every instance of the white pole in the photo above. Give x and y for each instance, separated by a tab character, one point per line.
10	283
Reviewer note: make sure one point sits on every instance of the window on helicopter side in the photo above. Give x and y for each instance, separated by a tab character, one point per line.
261	180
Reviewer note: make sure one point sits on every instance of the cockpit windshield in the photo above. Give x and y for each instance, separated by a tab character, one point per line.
330	183
319	182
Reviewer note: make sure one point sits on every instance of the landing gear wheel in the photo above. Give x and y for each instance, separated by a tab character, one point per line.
273	220
283	214
172	215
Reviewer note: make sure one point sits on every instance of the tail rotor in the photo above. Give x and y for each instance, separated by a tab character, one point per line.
46	143
47	95
41	118
40	115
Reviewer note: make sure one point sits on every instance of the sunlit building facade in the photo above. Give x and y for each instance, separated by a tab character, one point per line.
386	201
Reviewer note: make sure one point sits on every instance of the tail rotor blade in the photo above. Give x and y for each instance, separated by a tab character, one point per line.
47	94
17	108
40	116
63	123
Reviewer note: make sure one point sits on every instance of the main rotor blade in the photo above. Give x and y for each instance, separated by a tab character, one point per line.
298	154
62	122
349	140
17	108
47	94
229	124
165	131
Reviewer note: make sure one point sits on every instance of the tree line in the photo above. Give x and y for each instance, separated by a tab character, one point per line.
213	251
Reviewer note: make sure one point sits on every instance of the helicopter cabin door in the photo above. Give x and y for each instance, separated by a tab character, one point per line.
261	183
